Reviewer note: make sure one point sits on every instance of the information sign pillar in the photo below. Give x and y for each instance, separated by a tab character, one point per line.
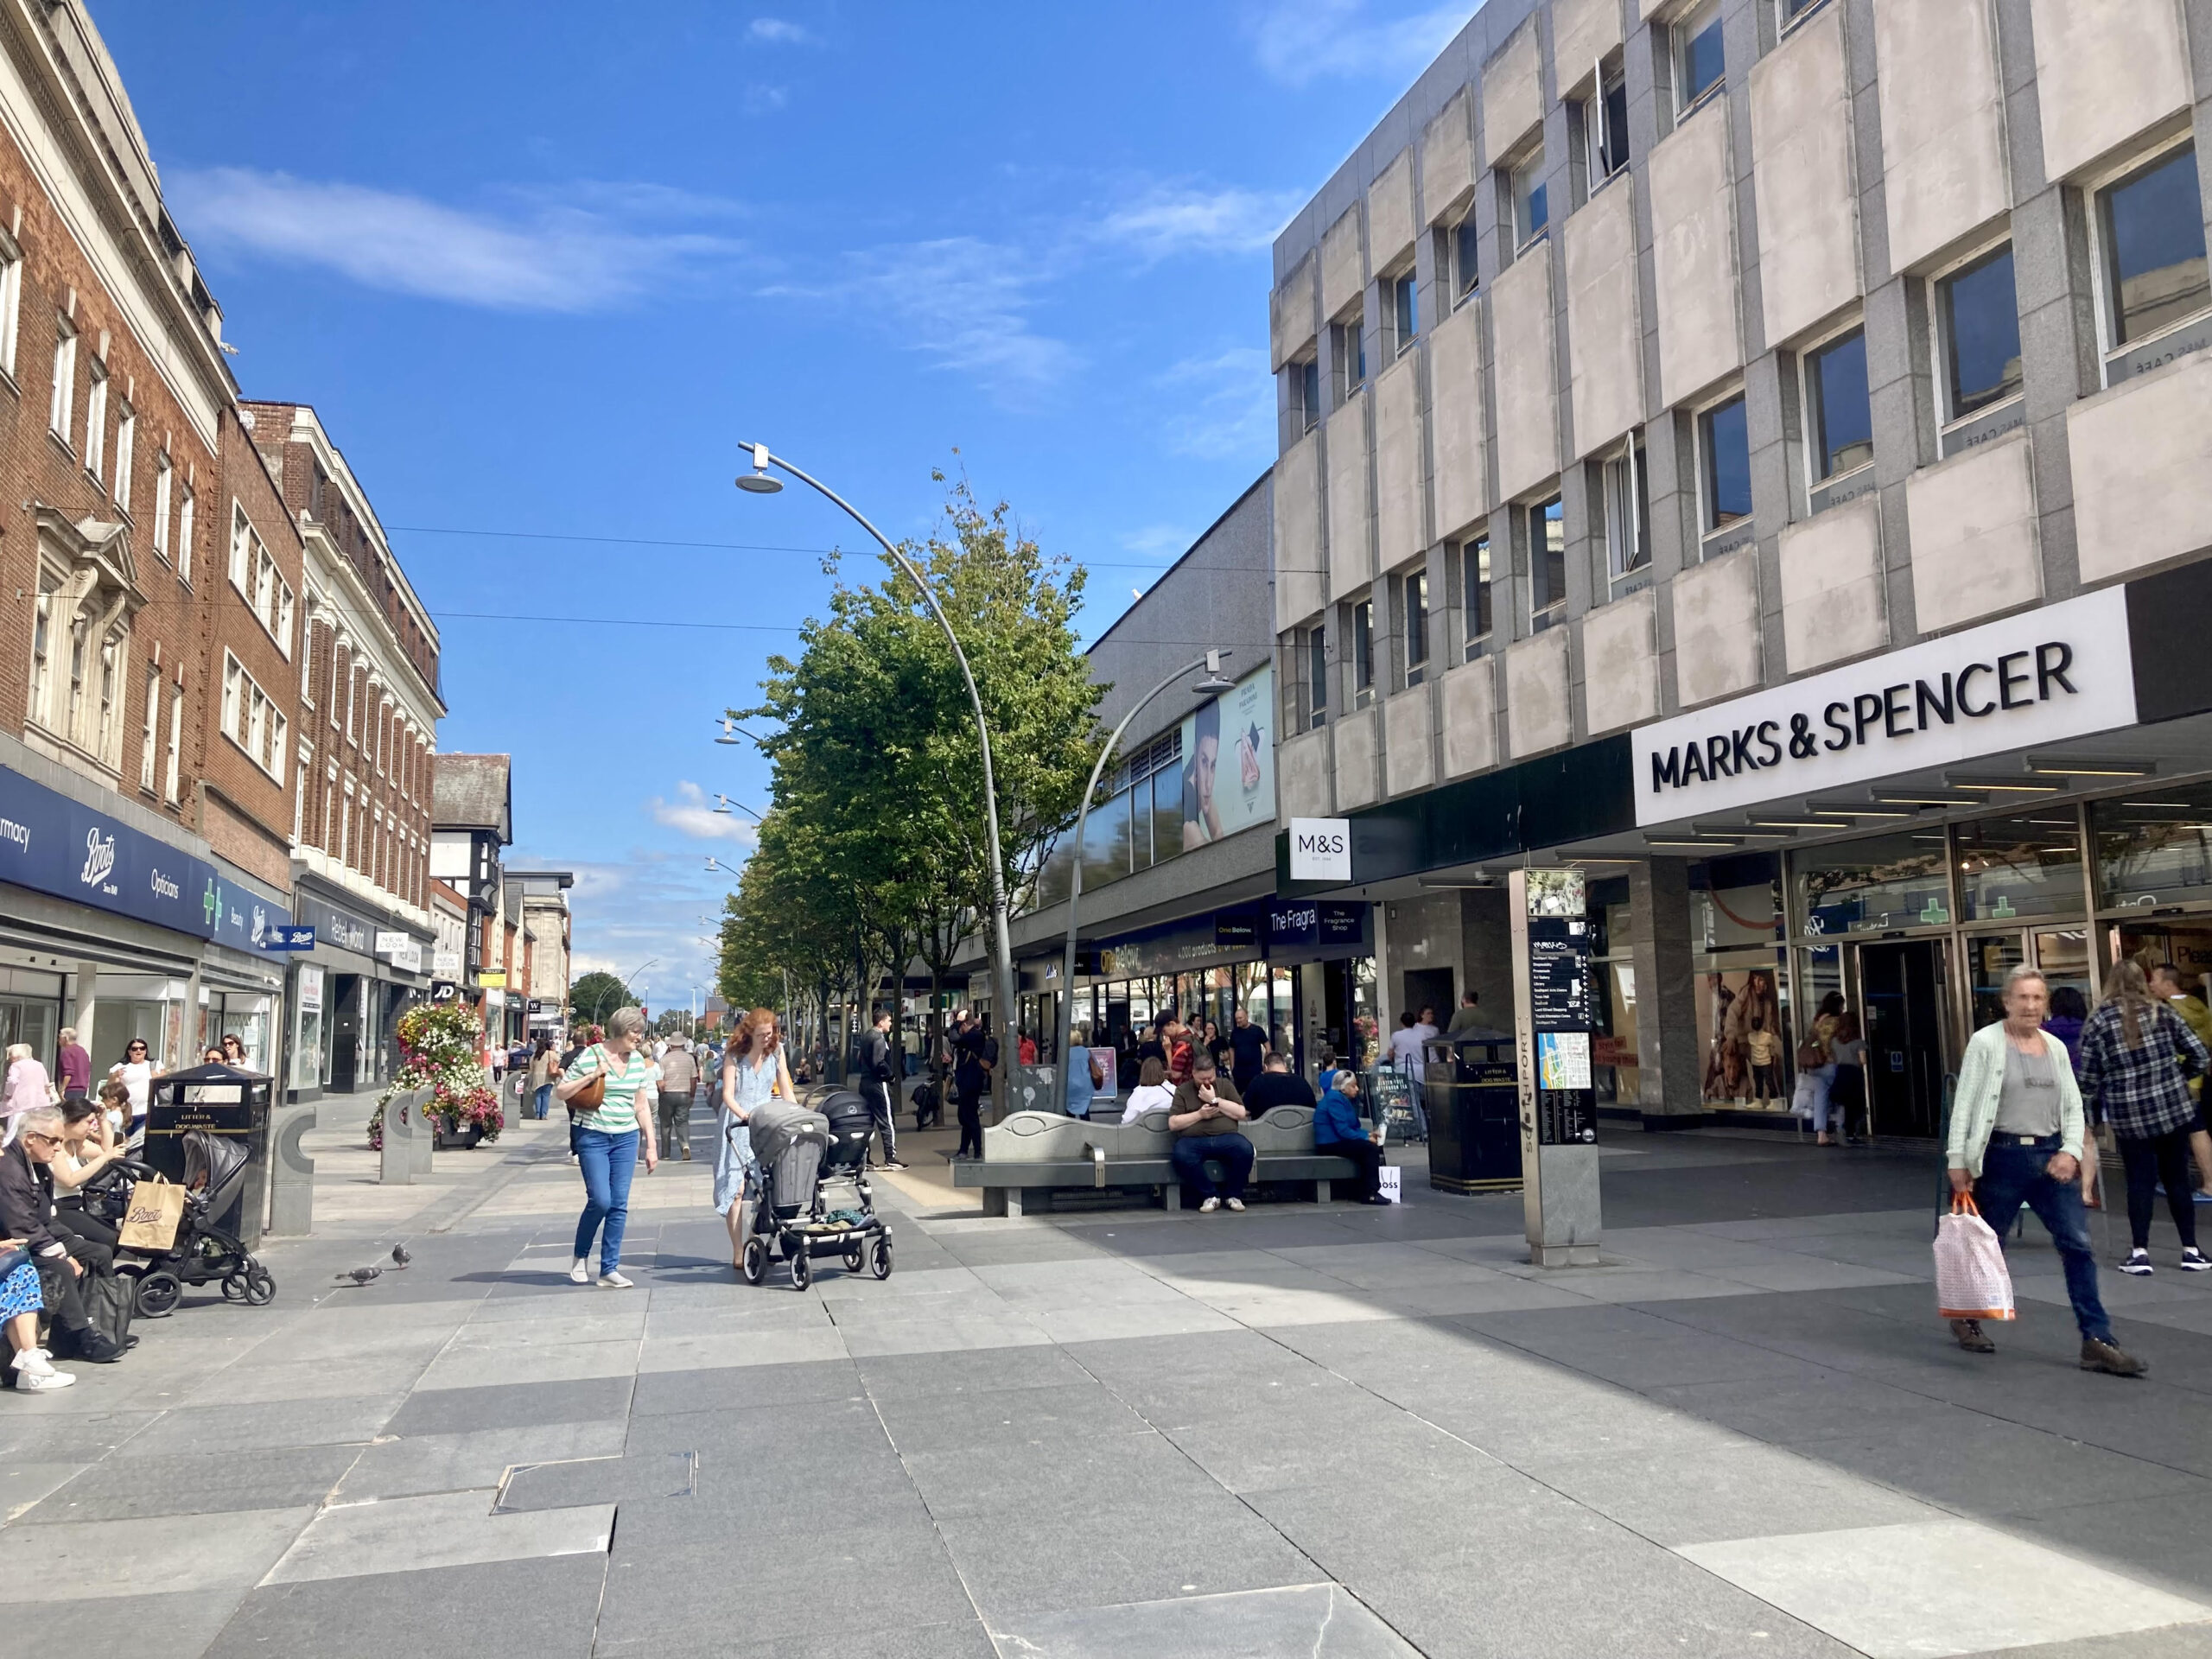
1551	1028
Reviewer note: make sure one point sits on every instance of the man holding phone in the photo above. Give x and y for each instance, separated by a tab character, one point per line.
1204	1120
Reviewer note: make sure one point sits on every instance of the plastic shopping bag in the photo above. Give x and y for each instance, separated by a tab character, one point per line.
1971	1282
1803	1095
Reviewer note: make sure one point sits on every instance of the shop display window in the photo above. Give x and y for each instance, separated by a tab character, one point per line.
1736	930
2027	865
1874	886
1990	958
2155	848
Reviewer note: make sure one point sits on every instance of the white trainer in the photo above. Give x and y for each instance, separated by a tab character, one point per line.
33	1369
1237	1204
1209	1206
613	1281
580	1273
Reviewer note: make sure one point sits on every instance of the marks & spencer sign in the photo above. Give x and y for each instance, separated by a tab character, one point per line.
2061	671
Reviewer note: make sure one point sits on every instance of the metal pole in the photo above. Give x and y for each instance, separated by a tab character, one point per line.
1009	1048
1066	1023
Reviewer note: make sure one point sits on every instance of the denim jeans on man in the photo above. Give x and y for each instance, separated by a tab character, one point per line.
2013	1174
1189	1156
608	1162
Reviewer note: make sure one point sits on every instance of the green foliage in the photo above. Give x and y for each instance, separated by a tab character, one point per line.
596	995
876	845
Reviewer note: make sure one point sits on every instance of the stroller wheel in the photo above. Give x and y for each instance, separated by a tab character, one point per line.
234	1288
879	1258
260	1287
159	1293
802	1269
755	1261
853	1258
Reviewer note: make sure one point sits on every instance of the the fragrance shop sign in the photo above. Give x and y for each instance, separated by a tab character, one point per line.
2061	671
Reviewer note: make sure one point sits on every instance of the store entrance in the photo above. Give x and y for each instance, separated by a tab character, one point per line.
1905	992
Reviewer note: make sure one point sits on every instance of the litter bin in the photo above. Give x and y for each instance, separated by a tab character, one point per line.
222	1100
1474	1116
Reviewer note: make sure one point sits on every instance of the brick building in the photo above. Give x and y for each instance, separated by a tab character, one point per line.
144	755
359	819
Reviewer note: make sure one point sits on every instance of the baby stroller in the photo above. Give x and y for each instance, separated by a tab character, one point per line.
214	1170
808	1193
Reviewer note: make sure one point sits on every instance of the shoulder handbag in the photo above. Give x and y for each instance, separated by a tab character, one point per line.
589	1099
1810	1054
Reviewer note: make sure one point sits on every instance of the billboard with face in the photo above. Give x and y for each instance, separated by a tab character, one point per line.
1228	761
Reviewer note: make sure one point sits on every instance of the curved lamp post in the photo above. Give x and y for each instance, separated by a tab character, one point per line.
758	481
1213	684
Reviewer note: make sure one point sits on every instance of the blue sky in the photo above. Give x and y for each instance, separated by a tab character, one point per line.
541	267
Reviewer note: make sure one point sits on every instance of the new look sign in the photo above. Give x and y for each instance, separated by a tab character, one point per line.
2061	671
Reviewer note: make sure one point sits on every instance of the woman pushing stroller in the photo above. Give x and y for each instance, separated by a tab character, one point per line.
755	1071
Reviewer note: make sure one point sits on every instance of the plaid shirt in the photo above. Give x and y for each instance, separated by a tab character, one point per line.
2143	1092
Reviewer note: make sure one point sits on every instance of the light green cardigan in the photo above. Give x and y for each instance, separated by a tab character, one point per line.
1981	1078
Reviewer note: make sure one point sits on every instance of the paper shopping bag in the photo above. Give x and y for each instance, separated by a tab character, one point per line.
1971	1282
150	1222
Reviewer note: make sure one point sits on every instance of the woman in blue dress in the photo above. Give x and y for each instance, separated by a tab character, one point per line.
20	1302
754	1071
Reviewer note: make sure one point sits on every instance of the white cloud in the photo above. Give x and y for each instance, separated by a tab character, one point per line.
1155	541
584	251
765	100
691	814
775	31
963	303
1298	41
1222	407
1176	220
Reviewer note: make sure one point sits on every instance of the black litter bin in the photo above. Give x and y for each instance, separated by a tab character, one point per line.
1474	1115
224	1101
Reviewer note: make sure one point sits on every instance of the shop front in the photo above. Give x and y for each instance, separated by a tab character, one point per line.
360	976
1883	842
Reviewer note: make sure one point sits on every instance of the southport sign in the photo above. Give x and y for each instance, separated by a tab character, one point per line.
2061	671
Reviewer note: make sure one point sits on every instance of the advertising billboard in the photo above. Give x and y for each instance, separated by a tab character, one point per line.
1228	761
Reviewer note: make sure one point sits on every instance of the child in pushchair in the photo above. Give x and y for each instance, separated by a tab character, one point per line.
808	1192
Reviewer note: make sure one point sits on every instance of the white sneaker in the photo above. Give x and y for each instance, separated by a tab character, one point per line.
580	1273
1209	1206
613	1281
35	1370
1237	1204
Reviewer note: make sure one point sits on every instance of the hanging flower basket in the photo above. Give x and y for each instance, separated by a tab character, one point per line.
441	1047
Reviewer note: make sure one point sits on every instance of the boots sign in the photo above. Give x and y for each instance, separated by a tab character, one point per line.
2061	671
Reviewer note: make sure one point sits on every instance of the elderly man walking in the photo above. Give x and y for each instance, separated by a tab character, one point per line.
2017	1127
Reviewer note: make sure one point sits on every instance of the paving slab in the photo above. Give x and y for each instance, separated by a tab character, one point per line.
488	1610
401	1466
400	1535
1928	1589
214	1551
267	1477
1325	1621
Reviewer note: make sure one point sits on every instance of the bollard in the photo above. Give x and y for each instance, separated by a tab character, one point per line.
426	1134
402	1124
291	1171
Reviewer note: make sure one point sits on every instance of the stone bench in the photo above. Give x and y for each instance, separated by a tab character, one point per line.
1032	1154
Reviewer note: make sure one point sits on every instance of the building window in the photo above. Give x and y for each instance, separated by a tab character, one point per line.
1724	465
1835	399
175	758
184	530
126	445
107	736
1698	64
255	575
1608	124
1414	601
1348	344
1317	676
1305	393
1792	10
1979	322
161	506
149	739
62	408
46	609
1628	512
300	800
251	718
1362	653
1465	249
2151	224
242	542
1547	564
1530	213
1404	315
11	301
1474	566
96	421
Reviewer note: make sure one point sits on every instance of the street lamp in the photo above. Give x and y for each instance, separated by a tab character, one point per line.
725	804
758	481
600	1001
1212	685
732	732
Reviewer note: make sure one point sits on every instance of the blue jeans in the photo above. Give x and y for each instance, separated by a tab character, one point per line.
608	1162
1189	1155
2014	1174
544	1098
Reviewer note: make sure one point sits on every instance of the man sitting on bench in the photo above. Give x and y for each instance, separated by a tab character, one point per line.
1204	1120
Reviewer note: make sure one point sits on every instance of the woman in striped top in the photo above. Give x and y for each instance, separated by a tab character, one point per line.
608	1142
